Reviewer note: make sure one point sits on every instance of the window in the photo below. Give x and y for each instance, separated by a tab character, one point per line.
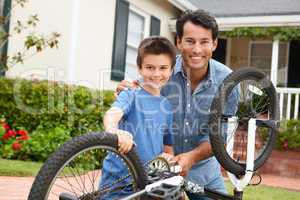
261	57
132	25
138	29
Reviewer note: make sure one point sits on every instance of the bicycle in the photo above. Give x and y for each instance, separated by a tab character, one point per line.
241	143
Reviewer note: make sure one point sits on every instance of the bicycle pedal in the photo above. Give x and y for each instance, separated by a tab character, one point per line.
166	192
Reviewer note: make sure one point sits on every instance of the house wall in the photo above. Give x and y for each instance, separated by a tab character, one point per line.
239	52
54	15
92	43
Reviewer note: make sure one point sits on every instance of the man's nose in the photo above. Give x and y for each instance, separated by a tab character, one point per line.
197	48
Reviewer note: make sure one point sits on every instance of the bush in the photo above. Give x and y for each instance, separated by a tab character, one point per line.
51	112
43	142
11	141
48	104
289	135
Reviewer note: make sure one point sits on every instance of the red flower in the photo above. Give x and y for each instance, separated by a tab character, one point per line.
22	132
285	144
16	146
6	126
6	136
11	133
23	137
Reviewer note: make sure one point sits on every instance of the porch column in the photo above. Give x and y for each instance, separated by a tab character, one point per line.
73	41
274	65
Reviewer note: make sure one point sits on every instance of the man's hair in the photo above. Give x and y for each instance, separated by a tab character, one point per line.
197	17
156	45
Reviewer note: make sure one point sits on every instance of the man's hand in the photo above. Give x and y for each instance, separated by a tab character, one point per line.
186	161
125	84
167	156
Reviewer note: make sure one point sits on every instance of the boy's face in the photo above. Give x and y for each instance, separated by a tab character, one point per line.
156	70
196	46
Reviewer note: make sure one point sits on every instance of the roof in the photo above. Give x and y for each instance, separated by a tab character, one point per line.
234	8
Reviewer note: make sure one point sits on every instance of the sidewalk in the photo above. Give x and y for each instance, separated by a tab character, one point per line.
17	188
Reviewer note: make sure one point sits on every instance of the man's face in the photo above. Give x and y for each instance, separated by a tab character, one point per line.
196	46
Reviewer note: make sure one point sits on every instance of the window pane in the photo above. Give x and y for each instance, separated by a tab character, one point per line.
282	65
131	68
135	29
261	55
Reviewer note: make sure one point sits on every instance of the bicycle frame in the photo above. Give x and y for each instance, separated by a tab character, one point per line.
239	183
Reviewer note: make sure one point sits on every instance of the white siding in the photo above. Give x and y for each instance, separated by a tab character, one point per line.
93	53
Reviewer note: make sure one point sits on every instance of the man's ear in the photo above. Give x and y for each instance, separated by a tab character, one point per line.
215	44
178	42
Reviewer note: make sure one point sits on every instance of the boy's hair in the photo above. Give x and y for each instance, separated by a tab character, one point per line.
156	45
197	17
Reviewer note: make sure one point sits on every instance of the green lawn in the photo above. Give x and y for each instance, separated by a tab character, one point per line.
21	168
266	193
18	168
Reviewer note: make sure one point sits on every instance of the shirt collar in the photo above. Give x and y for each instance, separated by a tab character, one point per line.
211	73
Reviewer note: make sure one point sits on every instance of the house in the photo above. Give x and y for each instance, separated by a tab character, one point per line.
99	39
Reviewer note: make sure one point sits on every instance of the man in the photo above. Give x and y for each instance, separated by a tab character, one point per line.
191	89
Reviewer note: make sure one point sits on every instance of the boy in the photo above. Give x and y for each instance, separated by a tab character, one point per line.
142	116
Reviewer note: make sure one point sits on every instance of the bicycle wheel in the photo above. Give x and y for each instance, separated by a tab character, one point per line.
244	94
74	171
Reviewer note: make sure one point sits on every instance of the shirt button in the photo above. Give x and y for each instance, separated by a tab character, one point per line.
185	140
189	105
187	123
188	84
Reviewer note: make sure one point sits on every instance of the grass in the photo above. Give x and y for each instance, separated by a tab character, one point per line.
18	168
264	192
25	168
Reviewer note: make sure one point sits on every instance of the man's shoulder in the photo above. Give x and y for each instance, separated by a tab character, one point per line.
220	70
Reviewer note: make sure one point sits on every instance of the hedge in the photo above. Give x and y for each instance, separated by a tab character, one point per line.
51	112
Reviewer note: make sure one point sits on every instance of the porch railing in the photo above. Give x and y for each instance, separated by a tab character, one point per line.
288	102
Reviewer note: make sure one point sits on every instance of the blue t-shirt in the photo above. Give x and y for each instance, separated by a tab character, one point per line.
149	119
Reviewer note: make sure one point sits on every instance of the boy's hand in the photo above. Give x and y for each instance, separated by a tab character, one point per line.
125	84
125	140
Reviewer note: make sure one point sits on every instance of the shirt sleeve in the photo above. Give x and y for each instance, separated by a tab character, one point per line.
125	101
168	136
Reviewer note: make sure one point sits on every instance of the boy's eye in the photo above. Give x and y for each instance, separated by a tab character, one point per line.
149	67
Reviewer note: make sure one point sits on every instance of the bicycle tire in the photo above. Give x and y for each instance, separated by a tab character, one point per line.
216	137
56	162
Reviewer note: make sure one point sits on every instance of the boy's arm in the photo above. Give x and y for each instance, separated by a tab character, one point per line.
111	120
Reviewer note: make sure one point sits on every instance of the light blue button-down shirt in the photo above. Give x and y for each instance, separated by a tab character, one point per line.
191	111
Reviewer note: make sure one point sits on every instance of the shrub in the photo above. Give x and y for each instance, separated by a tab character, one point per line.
49	104
43	142
52	112
12	141
289	135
